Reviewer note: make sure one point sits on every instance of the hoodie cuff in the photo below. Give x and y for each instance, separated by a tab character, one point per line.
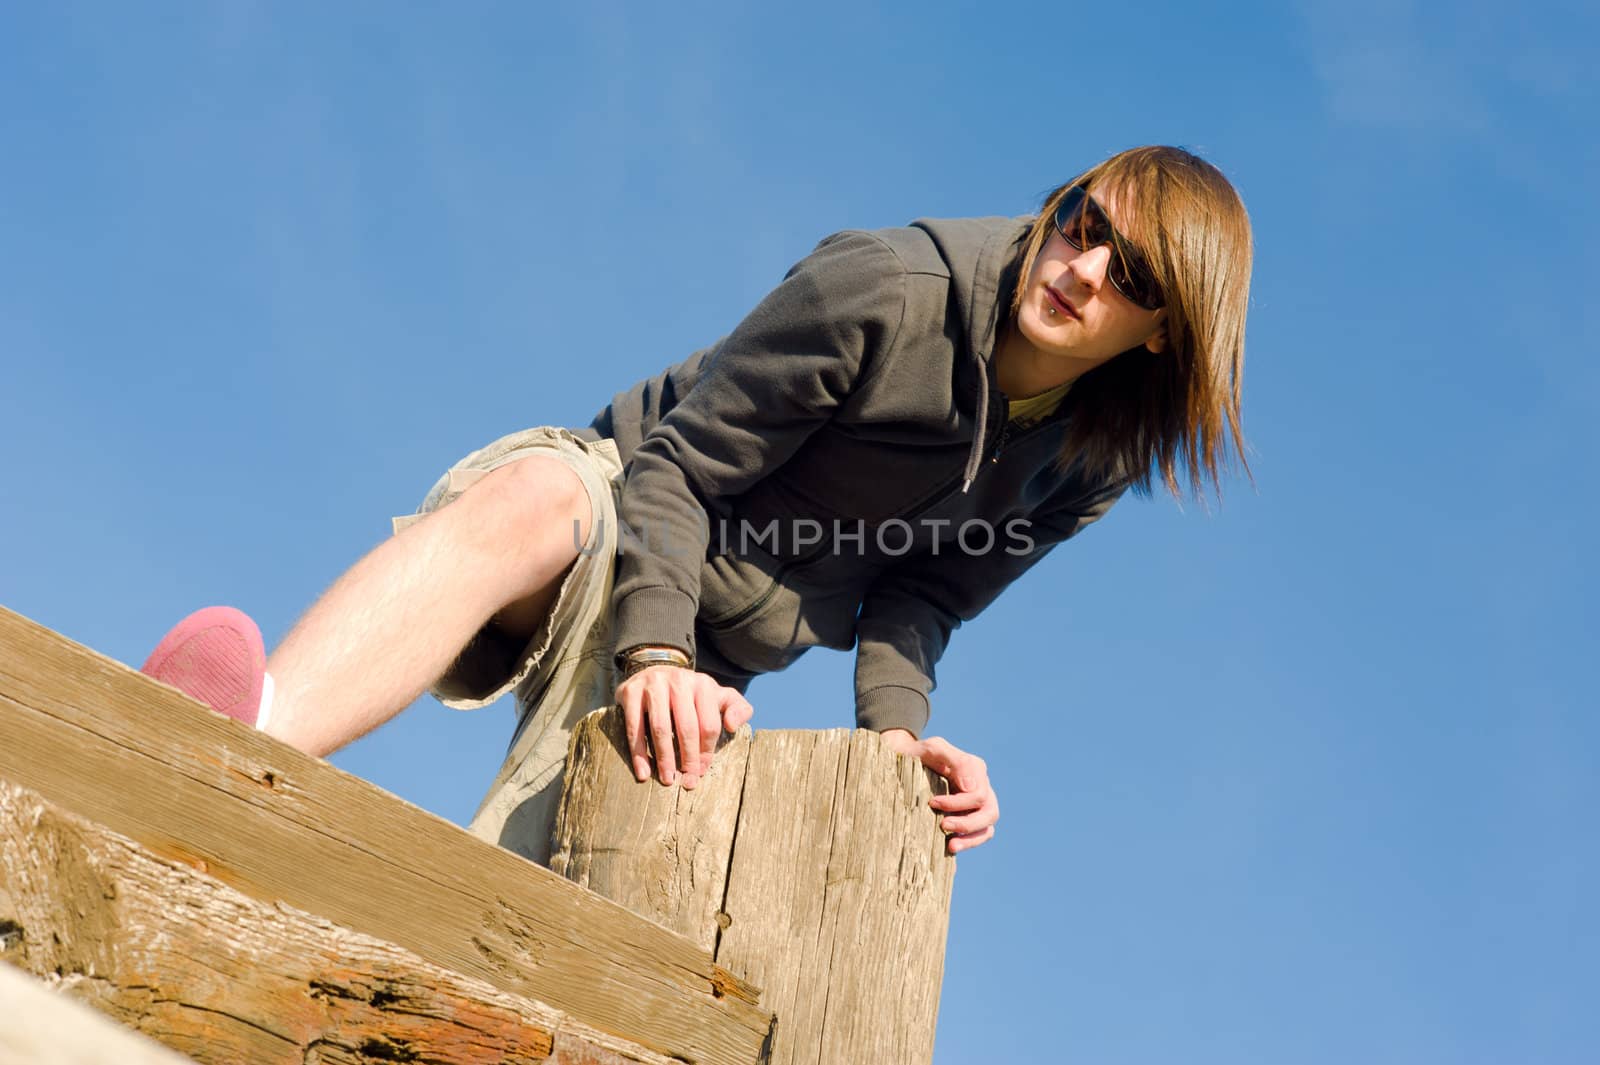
662	617
892	706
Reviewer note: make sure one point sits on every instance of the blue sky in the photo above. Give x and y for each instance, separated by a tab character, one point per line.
1305	780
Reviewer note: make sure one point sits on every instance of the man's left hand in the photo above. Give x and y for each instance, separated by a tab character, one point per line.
971	809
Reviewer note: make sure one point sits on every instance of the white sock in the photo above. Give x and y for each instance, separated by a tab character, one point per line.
265	710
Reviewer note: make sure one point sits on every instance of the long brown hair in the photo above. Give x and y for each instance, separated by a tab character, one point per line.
1142	412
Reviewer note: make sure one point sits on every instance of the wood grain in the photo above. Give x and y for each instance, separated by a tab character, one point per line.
831	885
40	1027
109	744
226	979
661	852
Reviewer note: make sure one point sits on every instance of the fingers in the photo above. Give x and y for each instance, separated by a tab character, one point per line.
965	772
630	697
658	709
943	757
901	741
973	827
971	809
973	813
736	710
958	844
678	715
686	727
697	718
708	718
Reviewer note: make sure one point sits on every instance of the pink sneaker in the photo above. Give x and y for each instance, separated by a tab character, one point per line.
214	655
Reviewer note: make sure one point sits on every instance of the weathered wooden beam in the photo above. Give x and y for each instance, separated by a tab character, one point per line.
109	744
229	980
809	862
40	1027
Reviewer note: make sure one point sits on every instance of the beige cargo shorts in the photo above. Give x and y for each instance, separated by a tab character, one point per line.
565	670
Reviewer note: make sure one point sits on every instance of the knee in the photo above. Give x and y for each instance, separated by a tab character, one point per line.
532	497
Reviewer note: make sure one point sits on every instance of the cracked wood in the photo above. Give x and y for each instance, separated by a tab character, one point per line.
228	980
808	862
40	1027
105	742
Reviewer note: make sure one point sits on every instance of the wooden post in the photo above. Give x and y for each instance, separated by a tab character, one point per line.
808	863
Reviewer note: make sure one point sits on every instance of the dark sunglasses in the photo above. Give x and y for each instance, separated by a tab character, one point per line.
1082	223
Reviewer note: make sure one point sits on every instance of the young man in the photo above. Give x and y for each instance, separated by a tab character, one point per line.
903	427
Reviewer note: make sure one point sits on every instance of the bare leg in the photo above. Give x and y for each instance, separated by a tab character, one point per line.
396	620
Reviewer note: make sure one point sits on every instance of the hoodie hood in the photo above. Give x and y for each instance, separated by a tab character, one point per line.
983	255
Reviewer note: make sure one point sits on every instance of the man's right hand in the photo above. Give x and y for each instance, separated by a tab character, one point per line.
663	704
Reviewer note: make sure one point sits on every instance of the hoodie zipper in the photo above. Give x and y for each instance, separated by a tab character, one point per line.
1004	440
996	416
1000	445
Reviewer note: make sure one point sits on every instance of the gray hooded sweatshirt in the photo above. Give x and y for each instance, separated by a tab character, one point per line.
825	474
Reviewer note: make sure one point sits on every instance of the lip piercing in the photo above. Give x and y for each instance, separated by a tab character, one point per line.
1052	311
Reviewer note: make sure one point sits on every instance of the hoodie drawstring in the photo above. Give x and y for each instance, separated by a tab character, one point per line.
975	459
